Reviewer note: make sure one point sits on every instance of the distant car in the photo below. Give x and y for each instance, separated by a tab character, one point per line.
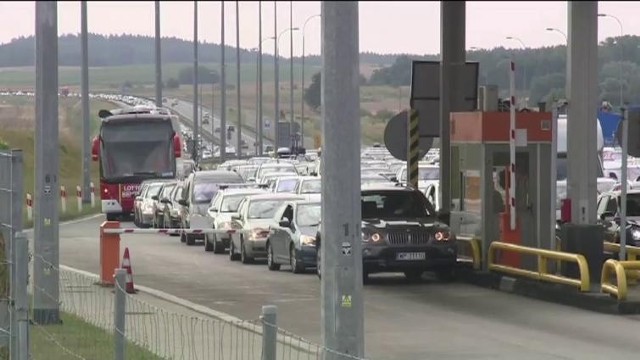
160	202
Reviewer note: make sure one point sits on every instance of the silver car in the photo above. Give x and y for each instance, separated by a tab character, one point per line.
255	216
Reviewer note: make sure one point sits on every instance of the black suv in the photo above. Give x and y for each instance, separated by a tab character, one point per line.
401	232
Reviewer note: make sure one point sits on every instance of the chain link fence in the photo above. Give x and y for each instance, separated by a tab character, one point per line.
11	189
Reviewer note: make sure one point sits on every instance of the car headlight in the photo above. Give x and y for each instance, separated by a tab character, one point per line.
371	237
307	240
442	235
635	234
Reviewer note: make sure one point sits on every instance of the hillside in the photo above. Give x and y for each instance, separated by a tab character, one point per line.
121	50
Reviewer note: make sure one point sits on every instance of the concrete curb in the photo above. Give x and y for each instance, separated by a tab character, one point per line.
559	294
285	340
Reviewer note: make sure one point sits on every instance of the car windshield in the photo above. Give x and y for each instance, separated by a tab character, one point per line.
140	151
203	192
308	215
394	204
633	204
263	209
166	191
287	185
230	202
311	187
424	173
279	169
154	190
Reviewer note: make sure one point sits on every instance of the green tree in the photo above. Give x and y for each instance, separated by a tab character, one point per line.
312	94
205	75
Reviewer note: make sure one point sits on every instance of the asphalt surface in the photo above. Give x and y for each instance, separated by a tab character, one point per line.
429	320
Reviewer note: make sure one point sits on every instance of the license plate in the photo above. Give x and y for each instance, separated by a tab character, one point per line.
411	256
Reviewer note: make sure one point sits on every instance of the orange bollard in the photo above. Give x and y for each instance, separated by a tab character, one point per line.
109	253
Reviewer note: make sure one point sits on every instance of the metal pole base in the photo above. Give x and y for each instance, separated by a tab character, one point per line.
47	316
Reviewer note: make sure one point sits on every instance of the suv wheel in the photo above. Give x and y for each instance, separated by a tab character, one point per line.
243	253
296	266
232	252
218	247
208	246
318	264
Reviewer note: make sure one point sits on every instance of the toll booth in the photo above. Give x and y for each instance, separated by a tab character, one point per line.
480	162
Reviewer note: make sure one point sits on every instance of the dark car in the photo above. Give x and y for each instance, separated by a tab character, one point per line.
160	202
198	190
401	232
292	237
609	211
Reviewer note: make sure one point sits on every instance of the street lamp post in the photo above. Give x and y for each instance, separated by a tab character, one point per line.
303	56
566	39
621	54
291	62
278	80
259	122
524	69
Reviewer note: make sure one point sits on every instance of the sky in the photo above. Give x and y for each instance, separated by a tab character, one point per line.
385	26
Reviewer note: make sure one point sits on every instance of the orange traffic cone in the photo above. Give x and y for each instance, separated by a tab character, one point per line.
126	264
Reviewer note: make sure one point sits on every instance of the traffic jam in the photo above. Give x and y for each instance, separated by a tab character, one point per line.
267	209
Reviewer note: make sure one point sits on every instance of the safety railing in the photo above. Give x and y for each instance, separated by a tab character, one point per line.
470	251
633	252
543	274
621	269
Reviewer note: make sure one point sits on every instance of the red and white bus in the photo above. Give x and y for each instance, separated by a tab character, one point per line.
134	145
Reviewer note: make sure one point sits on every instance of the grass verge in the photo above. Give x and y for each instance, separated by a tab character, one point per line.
17	132
56	342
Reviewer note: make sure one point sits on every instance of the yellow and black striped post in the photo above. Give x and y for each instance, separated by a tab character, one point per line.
413	149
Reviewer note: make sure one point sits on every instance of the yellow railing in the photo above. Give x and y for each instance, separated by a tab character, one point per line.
633	252
620	269
473	245
543	256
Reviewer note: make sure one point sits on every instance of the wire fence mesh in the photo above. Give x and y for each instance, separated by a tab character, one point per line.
154	329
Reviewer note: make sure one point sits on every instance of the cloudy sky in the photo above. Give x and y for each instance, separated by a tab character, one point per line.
385	26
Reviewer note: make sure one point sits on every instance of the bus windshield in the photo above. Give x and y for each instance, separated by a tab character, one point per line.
137	150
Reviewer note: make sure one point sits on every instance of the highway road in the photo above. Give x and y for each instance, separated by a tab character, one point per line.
185	109
403	321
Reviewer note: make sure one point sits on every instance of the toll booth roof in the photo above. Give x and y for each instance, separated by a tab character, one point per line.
493	127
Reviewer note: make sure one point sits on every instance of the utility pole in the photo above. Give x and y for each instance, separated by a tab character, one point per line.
276	118
260	125
158	57
46	257
195	83
223	90
86	116
239	127
342	303
304	26
291	61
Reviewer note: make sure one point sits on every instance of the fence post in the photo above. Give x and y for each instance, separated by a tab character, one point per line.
93	194
79	197
119	313
269	332
21	297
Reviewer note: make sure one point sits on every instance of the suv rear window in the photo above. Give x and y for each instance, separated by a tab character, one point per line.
395	204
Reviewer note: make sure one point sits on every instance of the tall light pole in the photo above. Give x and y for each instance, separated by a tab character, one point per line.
302	97
259	89
195	83
566	39
158	57
259	122
223	90
621	54
278	55
291	62
524	69
86	117
276	75
239	127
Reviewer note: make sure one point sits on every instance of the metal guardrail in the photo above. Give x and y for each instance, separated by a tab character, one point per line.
621	270
633	252
473	244
583	284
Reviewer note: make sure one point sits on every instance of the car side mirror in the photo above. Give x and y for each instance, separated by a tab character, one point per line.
183	202
235	217
607	215
285	223
251	179
313	173
165	201
154	197
444	217
213	209
394	179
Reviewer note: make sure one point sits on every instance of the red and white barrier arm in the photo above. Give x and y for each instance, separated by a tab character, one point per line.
173	231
